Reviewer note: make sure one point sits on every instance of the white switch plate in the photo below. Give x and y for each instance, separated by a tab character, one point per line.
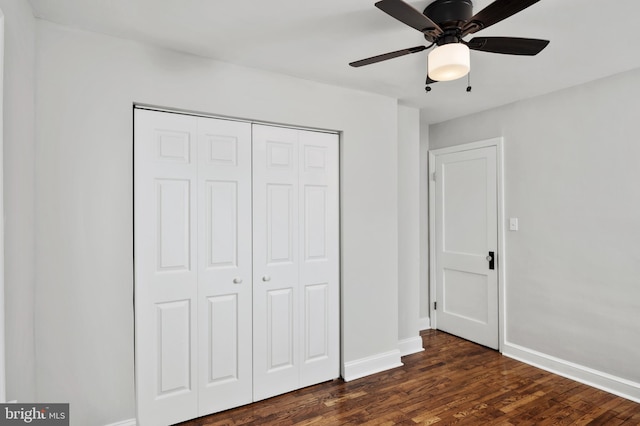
513	224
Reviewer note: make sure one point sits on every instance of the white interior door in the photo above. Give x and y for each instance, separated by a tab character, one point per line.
166	277
224	265
465	234
296	259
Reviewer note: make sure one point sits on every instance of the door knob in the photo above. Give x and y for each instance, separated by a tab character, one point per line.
237	280
266	278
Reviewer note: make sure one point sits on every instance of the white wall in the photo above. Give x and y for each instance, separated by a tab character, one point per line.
571	177
424	313
3	371
19	198
87	84
408	229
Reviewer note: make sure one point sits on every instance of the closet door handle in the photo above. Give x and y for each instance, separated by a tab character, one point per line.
237	280
266	278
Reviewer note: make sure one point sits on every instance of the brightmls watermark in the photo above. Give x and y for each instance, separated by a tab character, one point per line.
34	414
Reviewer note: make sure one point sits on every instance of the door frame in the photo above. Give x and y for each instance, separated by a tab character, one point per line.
501	256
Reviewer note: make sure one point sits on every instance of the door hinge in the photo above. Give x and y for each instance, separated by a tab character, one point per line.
435	306
433	176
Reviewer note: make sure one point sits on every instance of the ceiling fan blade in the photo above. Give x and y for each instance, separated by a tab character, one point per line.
494	13
508	45
386	56
411	17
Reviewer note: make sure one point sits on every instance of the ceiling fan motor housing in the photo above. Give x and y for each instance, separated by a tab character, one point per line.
450	15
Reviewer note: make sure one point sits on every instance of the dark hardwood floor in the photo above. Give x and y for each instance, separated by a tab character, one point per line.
452	382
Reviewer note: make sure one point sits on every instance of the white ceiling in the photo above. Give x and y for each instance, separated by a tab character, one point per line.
316	40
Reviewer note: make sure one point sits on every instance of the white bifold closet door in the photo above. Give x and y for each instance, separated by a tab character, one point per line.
166	276
224	265
193	302
225	315
296	271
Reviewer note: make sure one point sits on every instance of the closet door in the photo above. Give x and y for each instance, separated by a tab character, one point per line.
166	281
319	257
193	295
236	263
296	259
275	257
224	265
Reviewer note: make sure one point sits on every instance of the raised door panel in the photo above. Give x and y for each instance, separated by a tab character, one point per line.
223	338
165	267
280	326
319	254
173	216
316	321
276	261
221	225
466	191
280	223
465	295
224	259
315	222
174	347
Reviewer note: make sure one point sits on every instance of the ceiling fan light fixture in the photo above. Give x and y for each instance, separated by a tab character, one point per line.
449	62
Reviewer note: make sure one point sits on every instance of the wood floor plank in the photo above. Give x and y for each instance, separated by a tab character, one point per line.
452	382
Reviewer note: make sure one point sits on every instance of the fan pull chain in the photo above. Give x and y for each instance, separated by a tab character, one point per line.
427	88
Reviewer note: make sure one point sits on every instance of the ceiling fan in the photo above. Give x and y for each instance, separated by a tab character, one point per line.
445	23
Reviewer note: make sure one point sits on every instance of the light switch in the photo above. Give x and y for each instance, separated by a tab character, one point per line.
513	224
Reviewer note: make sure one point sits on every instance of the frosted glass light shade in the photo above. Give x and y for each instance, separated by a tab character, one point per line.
448	62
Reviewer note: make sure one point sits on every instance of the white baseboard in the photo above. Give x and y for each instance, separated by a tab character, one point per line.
130	422
410	346
607	382
424	323
371	365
